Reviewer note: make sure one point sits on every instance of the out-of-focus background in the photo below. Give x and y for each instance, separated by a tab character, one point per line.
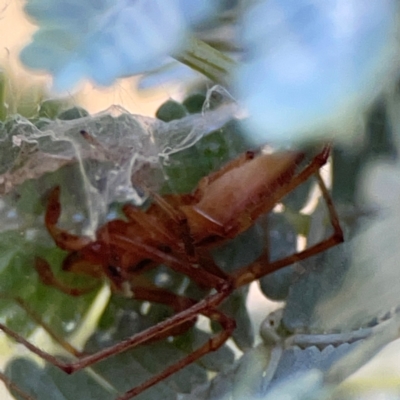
16	30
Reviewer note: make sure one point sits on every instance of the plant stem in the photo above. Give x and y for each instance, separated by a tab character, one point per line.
203	58
3	106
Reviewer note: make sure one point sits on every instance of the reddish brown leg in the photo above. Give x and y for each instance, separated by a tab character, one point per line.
149	293
228	326
205	307
154	294
36	318
263	266
64	240
150	224
178	303
13	387
72	242
272	198
180	221
197	274
207	263
179	218
47	277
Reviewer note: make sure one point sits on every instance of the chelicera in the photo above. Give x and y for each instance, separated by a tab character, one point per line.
179	231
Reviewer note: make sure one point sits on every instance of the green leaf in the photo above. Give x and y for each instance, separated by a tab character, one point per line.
51	383
282	242
171	110
194	103
187	167
3	102
317	278
371	288
51	108
72	113
142	363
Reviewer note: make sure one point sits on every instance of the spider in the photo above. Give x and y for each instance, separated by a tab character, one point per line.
179	231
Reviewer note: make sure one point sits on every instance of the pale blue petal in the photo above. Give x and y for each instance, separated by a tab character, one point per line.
50	49
311	64
170	71
106	39
196	10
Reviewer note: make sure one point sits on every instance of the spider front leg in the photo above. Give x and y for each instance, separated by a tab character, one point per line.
164	213
200	276
159	221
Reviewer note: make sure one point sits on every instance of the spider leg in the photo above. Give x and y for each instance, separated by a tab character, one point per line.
47	277
178	303
262	266
206	307
64	240
174	214
154	294
180	220
150	224
38	320
207	263
194	272
228	326
276	196
11	386
229	204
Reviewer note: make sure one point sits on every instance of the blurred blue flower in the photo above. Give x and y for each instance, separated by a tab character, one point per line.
105	39
169	71
312	66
